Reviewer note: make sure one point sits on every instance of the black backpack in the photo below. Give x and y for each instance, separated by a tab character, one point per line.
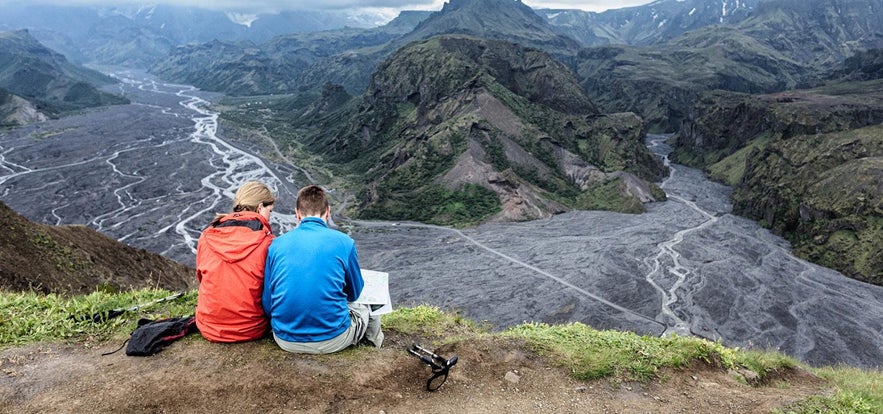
153	336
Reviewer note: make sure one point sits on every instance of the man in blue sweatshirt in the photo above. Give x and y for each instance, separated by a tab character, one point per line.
311	280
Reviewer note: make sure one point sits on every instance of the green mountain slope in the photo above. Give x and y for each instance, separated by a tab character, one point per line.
808	164
457	129
78	260
46	78
662	83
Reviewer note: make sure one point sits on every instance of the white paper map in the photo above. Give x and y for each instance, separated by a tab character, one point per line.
376	291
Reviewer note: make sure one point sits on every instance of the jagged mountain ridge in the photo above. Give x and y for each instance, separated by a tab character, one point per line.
653	23
77	260
46	79
494	19
349	57
781	45
658	83
464	120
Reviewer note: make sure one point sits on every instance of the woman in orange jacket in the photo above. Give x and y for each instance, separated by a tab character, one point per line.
230	258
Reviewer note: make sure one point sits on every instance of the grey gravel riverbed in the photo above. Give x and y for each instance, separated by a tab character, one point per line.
153	173
686	265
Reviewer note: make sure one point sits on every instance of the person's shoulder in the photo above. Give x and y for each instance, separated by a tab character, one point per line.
341	237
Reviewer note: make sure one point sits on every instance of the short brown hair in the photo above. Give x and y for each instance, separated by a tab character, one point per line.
312	201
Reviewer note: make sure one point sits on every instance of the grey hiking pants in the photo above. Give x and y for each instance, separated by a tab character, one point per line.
363	325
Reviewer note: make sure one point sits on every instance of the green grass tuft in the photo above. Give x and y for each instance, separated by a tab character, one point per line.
856	385
31	317
840	403
428	320
592	354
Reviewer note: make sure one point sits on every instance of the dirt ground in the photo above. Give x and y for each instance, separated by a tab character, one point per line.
492	376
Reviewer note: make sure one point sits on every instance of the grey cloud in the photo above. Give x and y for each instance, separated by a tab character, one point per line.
596	5
278	5
253	5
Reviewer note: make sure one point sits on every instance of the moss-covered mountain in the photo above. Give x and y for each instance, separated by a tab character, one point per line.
782	45
458	129
661	83
808	164
46	79
77	259
863	65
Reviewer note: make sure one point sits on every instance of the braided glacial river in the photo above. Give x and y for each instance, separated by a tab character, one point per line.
153	173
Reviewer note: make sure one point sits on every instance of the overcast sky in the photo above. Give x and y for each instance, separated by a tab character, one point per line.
381	5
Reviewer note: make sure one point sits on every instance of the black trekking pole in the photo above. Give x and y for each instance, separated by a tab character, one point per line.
440	366
103	316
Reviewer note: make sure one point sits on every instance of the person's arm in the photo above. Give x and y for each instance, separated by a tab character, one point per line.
353	274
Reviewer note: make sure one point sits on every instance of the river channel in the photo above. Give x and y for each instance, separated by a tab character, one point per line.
153	173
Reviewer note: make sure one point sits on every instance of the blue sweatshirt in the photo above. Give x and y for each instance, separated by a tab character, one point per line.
311	274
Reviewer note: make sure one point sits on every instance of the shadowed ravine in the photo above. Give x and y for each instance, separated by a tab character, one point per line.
153	173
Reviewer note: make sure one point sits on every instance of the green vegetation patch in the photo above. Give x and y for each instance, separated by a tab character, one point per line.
839	403
865	386
469	204
31	317
609	195
593	354
430	321
731	169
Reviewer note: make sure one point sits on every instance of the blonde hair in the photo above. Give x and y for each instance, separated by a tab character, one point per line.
248	197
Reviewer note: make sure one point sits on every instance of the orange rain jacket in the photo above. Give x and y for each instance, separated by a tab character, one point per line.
230	259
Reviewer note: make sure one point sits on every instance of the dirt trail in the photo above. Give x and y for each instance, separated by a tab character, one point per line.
194	375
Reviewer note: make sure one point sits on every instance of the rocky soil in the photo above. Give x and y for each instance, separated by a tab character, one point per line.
194	375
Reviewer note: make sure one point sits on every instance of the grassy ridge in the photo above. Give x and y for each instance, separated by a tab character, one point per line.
585	352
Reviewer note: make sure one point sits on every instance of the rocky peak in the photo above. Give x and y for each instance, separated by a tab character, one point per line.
508	20
425	72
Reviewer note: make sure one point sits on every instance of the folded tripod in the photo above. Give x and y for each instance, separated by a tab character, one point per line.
440	366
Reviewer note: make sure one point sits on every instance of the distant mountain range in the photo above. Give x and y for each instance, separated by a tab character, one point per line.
43	82
138	36
657	59
650	24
